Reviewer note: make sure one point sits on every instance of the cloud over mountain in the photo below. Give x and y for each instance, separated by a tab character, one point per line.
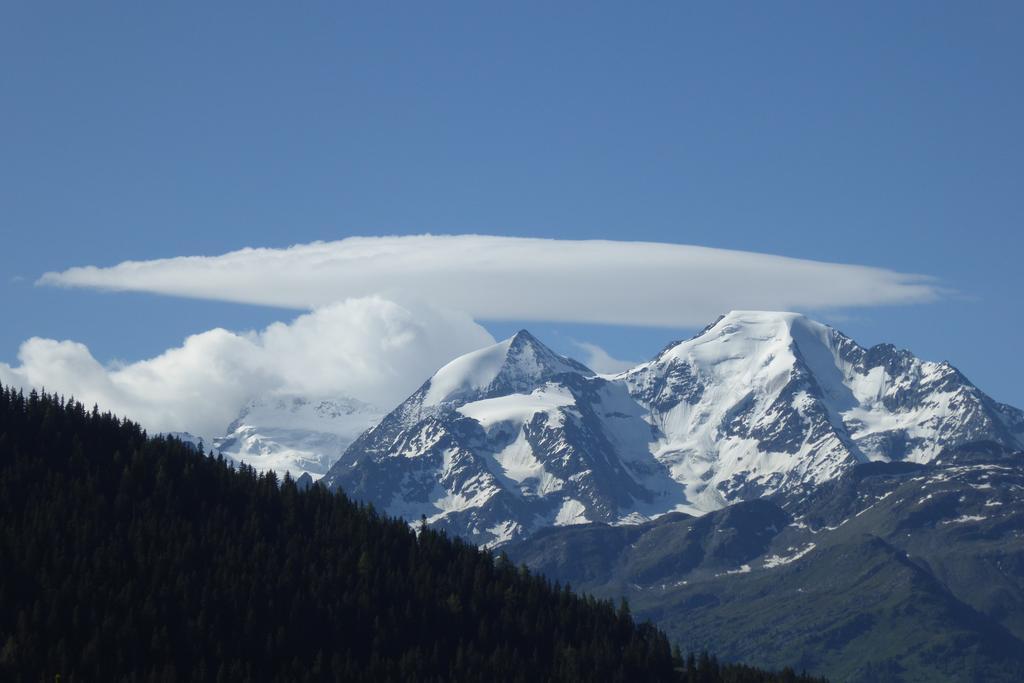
510	278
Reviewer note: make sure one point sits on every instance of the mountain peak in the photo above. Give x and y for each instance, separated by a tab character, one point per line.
523	336
518	363
743	332
781	319
522	340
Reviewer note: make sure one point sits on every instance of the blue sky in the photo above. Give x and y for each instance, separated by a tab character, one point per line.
868	133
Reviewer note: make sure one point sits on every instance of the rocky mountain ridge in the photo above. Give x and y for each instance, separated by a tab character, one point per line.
513	438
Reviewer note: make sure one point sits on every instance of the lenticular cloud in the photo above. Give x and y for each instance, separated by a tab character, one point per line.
510	278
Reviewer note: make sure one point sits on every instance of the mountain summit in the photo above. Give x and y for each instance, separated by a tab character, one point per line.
514	437
516	364
763	402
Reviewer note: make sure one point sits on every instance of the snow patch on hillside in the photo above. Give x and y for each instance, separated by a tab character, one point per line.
519	463
780	560
571	512
520	408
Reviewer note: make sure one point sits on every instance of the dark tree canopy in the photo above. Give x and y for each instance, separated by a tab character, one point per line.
124	557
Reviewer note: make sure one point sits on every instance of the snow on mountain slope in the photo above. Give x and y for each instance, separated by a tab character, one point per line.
506	440
520	408
296	435
764	402
737	408
511	438
515	364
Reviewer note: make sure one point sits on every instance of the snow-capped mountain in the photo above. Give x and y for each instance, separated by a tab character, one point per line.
293	434
505	440
761	403
514	437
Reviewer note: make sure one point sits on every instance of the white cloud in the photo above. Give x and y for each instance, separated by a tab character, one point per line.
599	360
358	341
370	348
508	278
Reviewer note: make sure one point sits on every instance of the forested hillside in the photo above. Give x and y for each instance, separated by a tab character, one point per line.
123	556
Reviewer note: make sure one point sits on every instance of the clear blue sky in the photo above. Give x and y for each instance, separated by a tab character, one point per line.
886	134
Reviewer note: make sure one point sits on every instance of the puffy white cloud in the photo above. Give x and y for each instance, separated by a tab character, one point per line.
508	278
599	360
370	348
